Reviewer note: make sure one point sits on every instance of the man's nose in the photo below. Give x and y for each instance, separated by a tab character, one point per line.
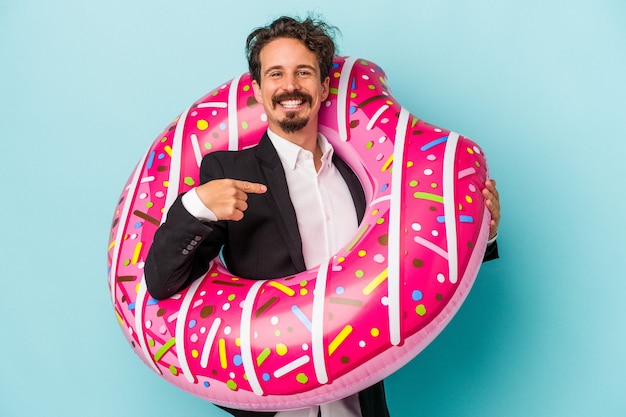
291	83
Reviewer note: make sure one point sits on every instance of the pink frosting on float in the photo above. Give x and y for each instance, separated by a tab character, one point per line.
328	332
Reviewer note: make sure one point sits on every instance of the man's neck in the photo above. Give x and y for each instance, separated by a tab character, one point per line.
306	140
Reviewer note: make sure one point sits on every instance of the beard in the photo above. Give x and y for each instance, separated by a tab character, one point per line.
292	122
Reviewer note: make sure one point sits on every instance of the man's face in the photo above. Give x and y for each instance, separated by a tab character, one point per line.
290	88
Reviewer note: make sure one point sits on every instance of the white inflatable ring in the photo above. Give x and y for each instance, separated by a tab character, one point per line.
329	332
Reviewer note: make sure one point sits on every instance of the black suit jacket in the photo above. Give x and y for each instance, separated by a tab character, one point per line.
264	244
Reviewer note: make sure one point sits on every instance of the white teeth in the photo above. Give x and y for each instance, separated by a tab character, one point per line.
291	103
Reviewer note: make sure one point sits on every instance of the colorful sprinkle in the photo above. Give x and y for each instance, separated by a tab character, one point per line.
375	282
302	317
262	356
339	339
163	350
420	310
282	287
281	349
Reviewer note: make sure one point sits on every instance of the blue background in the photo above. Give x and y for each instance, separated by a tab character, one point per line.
86	86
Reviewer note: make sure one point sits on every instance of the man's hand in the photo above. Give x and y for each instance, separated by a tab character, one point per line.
226	198
492	201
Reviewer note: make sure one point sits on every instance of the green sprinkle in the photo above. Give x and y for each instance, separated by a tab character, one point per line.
420	310
262	356
167	346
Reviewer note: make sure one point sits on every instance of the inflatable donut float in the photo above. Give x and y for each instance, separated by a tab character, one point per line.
328	332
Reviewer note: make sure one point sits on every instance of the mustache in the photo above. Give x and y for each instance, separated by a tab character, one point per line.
294	95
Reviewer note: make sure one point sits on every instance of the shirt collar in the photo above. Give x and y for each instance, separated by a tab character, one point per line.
288	152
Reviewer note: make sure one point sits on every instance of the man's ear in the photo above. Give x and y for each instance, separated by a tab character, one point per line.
257	91
325	88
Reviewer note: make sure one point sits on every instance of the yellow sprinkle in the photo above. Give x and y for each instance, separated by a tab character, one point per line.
168	149
387	164
362	253
375	332
194	353
137	252
468	198
375	282
202	124
282	288
111	244
222	349
281	349
343	334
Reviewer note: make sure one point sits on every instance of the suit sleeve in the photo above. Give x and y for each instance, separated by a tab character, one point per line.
491	252
183	246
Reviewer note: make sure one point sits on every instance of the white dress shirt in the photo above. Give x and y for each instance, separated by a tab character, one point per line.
327	221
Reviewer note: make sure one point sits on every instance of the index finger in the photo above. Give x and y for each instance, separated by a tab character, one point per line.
250	187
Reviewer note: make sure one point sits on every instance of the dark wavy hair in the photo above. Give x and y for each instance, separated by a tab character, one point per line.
314	33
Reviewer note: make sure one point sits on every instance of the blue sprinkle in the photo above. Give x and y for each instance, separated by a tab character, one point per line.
192	324
340	290
433	143
266	377
335	65
131	306
237	360
384	187
466	219
302	317
352	109
138	225
161	156
152	301
416	295
150	160
441	219
222	126
206	384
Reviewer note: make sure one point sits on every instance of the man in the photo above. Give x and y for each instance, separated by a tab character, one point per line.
283	206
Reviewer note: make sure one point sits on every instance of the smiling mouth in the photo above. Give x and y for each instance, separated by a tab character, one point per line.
291	104
292	100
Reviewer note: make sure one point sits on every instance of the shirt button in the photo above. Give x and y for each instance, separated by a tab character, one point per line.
189	247
197	238
185	252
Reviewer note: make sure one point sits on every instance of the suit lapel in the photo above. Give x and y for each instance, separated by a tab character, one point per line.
354	185
278	193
